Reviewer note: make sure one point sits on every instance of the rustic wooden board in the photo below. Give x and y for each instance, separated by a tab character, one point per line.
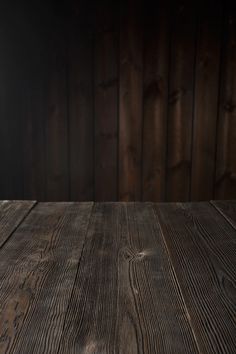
56	129
81	105
228	209
38	267
35	97
181	105
126	298
106	100
206	100
201	245
225	179
13	30
130	100
11	215
155	97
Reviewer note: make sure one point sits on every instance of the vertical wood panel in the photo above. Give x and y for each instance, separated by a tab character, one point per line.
130	112
225	183
106	100
181	102
206	101
81	111
34	132
156	67
12	102
57	186
84	107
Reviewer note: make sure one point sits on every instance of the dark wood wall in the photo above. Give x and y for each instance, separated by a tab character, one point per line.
108	100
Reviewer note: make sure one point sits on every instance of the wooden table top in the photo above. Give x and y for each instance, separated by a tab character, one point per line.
117	277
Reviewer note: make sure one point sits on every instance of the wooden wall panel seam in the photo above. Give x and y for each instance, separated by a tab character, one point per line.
222	52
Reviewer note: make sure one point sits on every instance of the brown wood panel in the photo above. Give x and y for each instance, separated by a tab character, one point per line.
12	101
81	111
106	100
119	302
228	209
181	105
206	100
56	130
201	245
225	180
11	215
38	267
35	106
130	100
98	100
155	85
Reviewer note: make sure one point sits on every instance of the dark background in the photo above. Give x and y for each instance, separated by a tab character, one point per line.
108	100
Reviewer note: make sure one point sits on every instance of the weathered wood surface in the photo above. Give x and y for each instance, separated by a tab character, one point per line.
155	100
202	248
125	302
206	94
130	100
227	209
38	266
225	174
11	215
180	113
106	100
118	277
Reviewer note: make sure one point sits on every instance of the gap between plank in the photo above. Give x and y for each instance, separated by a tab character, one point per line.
76	275
19	224
222	214
176	278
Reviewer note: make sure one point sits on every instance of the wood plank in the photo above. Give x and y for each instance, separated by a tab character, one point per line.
36	104
228	209
155	98
81	104
12	100
11	215
126	298
37	271
180	108
56	131
201	245
106	100
206	101
225	179
130	94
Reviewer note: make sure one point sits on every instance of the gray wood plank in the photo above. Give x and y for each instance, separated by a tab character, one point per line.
202	246
227	208
126	298
37	271
11	215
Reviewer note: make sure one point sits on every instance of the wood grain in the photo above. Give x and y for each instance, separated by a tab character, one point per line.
201	245
119	302
130	98
106	100
181	105
225	179
11	215
206	100
38	267
228	209
155	97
